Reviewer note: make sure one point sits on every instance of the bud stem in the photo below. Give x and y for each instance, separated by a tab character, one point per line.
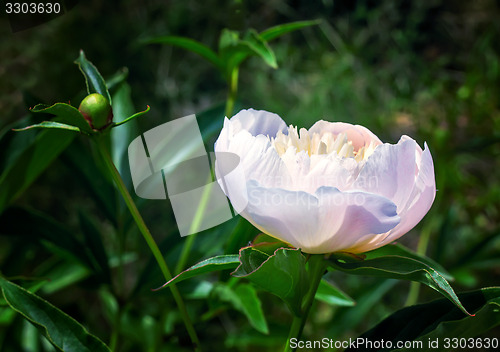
115	175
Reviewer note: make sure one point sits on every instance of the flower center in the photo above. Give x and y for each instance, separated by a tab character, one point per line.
317	144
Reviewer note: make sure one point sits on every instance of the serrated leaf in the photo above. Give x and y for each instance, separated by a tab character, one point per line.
93	79
62	331
396	267
31	163
283	273
400	250
66	114
279	30
50	125
332	295
439	319
268	244
188	44
221	262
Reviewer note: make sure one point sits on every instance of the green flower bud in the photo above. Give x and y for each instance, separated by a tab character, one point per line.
96	109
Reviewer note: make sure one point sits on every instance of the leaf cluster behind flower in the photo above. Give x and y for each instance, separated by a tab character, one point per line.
235	47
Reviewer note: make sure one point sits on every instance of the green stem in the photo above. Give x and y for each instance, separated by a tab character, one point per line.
317	266
421	250
195	226
116	330
233	90
115	175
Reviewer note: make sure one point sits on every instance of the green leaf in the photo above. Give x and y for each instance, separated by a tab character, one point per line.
13	144
233	51
332	295
121	137
252	307
396	267
283	273
268	244
117	79
62	275
95	246
259	47
367	299
85	170
228	38
31	163
277	31
131	117
221	262
188	44
93	79
49	125
37	226
62	331
438	320
400	250
244	298
66	114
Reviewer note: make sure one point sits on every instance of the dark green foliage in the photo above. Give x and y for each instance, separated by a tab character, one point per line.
426	69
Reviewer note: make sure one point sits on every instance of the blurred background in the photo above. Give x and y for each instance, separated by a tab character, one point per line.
427	69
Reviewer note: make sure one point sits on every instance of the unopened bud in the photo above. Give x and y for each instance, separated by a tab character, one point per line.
96	109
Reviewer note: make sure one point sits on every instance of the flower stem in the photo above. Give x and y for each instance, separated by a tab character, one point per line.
115	175
317	266
233	90
421	250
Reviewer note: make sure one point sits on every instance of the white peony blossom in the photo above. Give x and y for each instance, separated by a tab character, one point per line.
335	187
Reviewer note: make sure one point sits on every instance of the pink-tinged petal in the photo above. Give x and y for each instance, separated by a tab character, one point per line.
327	221
319	202
348	217
258	122
420	200
289	216
390	172
359	136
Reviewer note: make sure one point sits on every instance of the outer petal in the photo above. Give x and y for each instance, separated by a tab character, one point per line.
359	135
418	204
324	222
420	200
258	122
390	172
258	159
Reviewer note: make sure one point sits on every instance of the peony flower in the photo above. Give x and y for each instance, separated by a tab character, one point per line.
335	187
